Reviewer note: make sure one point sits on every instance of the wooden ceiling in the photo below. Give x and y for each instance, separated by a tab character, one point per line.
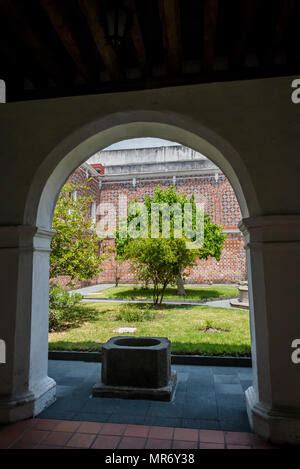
51	48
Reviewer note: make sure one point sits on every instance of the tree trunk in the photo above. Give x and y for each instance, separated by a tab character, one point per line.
117	278
180	286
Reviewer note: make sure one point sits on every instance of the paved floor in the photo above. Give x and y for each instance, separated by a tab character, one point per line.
58	434
219	303
212	304
210	398
104	286
93	289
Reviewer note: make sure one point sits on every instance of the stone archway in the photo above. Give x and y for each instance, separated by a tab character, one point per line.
26	384
78	146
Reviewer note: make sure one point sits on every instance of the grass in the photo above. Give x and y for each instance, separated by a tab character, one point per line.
191	329
192	293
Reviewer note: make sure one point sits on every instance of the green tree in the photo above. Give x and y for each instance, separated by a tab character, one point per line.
74	246
162	261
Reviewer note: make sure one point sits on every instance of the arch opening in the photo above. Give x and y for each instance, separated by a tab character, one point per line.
78	147
86	141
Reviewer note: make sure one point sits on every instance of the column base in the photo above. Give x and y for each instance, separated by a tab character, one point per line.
30	404
276	425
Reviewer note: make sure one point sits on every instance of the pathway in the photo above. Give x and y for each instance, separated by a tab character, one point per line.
222	303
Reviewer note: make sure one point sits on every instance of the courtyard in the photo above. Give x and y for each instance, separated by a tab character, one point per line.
221	83
191	328
210	398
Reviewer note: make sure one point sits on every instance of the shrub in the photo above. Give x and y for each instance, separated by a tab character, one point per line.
136	313
54	320
61	304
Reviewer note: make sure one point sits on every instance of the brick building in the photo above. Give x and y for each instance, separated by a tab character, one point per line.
135	172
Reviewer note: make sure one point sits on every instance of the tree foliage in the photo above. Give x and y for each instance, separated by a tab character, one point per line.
162	261
74	246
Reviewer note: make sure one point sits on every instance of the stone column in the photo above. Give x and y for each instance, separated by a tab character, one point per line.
273	256
25	388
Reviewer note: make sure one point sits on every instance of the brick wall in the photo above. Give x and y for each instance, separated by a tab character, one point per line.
82	176
221	204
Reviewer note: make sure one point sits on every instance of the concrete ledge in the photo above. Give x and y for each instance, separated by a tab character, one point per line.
200	360
87	299
127	392
239	304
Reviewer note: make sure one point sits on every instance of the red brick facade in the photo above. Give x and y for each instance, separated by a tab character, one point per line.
83	176
221	204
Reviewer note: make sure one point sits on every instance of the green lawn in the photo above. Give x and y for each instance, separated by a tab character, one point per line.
193	293
191	329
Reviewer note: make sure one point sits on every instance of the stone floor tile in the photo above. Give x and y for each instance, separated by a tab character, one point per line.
132	419
137	431
81	440
58	438
201	423
238	447
227	379
223	388
90	427
161	432
156	443
239	438
211	446
113	429
106	442
31	439
180	444
186	434
212	436
44	424
68	426
131	442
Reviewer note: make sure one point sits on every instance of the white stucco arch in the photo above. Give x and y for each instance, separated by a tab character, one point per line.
249	129
87	140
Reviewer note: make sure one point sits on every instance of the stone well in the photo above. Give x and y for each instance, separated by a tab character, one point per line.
136	368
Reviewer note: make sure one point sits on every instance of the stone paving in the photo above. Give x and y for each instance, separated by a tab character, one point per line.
210	398
92	289
58	434
223	303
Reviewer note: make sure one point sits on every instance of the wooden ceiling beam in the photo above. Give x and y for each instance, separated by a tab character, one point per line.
283	34
248	9
210	18
136	35
21	29
170	19
284	15
67	37
91	11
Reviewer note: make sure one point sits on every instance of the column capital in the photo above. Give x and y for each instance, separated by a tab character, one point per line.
24	237
271	229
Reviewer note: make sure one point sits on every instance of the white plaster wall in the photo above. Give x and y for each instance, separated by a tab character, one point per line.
250	129
254	121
